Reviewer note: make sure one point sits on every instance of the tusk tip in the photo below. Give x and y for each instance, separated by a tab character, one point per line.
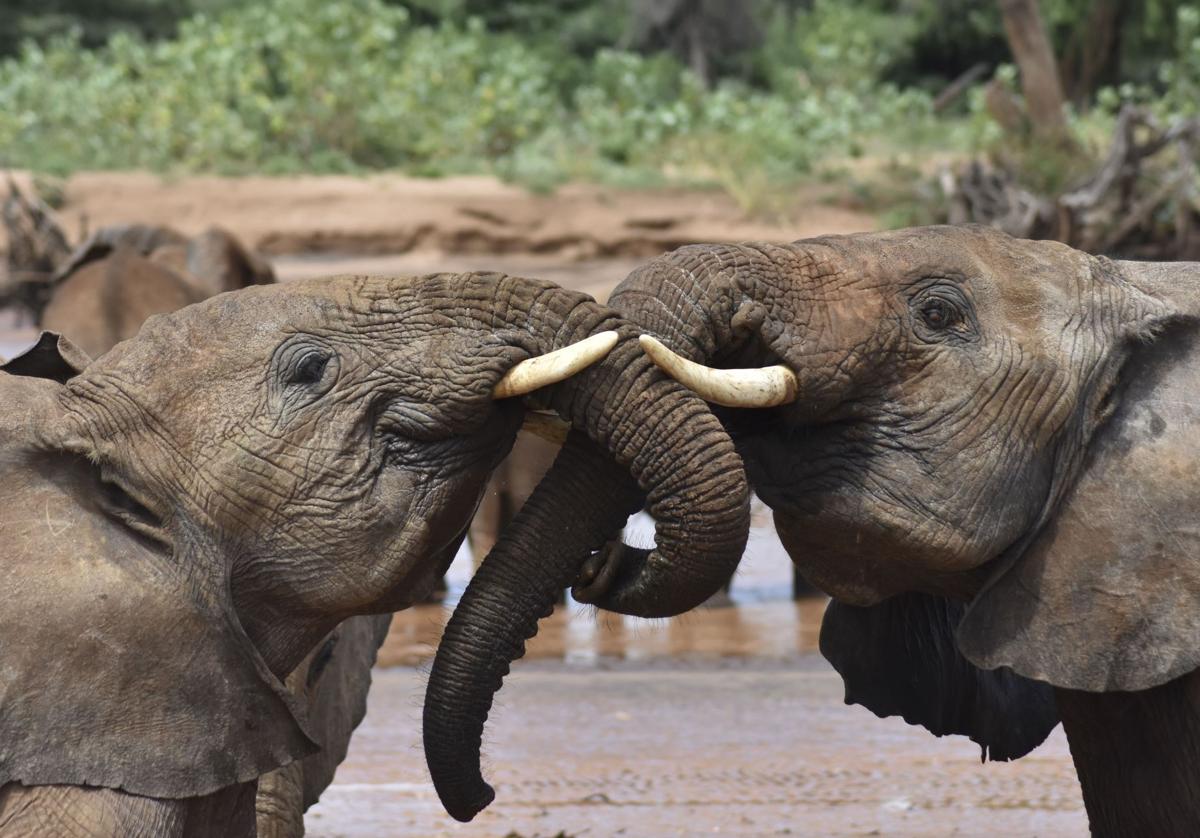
755	388
605	341
655	348
553	367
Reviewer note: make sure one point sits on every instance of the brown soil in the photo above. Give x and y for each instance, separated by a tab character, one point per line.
396	214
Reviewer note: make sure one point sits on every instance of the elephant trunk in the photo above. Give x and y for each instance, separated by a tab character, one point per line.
661	433
650	438
517	584
732	306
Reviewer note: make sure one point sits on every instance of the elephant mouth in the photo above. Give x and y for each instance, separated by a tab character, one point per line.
121	503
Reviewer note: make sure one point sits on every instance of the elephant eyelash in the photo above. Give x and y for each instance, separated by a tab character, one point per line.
304	370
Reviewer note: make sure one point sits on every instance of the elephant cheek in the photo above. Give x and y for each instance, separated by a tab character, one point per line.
846	572
423	519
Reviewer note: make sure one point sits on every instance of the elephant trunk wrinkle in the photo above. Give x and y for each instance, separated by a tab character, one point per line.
516	585
649	438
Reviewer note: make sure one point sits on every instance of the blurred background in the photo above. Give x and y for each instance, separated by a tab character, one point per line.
572	139
762	99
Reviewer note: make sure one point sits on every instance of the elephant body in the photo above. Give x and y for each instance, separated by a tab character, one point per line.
202	525
103	293
122	275
985	450
509	488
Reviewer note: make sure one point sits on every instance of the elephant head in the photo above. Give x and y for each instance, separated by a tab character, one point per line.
186	517
983	448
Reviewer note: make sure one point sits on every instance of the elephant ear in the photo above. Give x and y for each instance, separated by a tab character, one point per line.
141	238
1107	595
898	658
122	665
218	259
53	357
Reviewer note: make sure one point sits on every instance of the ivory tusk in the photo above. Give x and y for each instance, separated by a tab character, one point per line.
553	367
762	387
547	426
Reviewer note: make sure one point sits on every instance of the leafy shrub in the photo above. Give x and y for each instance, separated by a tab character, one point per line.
340	85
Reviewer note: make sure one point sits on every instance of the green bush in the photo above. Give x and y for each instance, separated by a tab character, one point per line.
342	85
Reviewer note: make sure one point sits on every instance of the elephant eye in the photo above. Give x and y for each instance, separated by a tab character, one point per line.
305	368
941	311
309	368
938	314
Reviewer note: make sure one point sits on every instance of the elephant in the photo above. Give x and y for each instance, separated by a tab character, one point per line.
101	294
36	245
985	450
510	488
189	516
121	275
984	456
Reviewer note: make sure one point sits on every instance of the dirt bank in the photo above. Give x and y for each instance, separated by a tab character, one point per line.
396	214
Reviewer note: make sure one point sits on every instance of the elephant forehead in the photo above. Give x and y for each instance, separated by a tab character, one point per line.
1031	290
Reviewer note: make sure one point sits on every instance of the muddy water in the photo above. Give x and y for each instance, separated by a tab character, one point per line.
723	721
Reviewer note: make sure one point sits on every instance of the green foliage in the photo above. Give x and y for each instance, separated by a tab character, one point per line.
834	44
1172	84
282	85
1180	75
318	85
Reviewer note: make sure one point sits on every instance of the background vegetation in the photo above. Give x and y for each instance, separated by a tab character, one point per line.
750	95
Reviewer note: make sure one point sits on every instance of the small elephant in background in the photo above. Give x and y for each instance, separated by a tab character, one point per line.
122	275
189	517
987	450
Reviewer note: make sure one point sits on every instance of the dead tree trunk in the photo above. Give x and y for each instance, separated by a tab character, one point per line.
1039	73
1093	50
1140	203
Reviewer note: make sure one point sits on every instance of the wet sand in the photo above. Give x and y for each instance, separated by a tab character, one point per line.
725	721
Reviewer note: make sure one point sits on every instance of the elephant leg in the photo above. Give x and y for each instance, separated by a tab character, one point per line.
1137	756
490	517
85	812
801	587
81	812
228	812
279	803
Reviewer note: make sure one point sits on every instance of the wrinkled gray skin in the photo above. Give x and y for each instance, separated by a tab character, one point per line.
993	465
102	294
238	480
122	275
